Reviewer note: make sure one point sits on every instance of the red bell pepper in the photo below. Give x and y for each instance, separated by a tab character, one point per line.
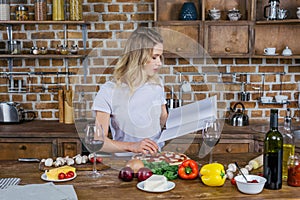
188	169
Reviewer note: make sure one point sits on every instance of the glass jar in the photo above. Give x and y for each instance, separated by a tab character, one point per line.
4	10
58	10
293	171
74	49
40	10
43	50
75	10
34	50
64	50
14	47
21	13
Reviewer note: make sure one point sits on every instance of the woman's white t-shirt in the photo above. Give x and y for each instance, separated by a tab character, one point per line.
133	116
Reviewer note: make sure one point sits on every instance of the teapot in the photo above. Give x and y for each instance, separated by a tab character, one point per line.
239	118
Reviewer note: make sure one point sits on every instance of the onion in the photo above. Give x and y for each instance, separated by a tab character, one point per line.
144	173
126	174
135	164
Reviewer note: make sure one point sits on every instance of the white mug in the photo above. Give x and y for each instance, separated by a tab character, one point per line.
270	50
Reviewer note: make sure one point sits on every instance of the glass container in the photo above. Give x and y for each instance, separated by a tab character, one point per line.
293	171
58	10
75	10
40	10
64	50
14	47
21	13
4	10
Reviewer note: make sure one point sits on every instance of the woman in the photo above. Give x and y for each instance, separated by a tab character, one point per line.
133	103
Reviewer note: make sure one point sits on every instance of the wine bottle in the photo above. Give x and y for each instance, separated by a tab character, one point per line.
273	152
288	143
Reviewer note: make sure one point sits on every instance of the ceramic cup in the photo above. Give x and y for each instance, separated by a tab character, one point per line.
270	50
214	14
282	13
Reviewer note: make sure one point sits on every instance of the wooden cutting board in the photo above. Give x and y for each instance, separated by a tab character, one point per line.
82	167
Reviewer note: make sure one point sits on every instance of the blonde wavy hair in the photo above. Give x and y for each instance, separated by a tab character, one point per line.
137	52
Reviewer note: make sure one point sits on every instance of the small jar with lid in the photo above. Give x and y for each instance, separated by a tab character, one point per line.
4	10
43	50
293	171
64	50
34	50
21	13
74	49
58	49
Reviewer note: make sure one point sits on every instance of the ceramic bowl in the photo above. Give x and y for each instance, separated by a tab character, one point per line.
250	188
266	99
281	98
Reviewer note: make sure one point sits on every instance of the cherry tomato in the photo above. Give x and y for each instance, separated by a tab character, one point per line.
61	175
99	160
70	174
233	182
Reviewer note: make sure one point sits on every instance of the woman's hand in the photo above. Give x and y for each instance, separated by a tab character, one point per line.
145	146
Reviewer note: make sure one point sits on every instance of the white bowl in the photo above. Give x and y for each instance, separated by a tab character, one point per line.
266	99
281	98
250	188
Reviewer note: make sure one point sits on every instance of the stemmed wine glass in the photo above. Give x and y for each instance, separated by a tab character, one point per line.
93	141
211	135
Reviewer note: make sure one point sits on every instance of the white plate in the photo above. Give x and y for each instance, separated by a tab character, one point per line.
171	185
45	178
276	54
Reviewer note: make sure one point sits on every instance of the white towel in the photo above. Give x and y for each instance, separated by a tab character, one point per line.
5	182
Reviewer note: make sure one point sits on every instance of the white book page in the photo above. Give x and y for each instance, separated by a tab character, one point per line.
189	118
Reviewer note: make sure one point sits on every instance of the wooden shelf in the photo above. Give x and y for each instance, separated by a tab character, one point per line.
47	56
276	56
271	22
12	22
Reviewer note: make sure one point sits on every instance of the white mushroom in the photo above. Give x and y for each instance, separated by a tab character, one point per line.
58	163
49	162
229	174
232	167
244	171
61	160
249	167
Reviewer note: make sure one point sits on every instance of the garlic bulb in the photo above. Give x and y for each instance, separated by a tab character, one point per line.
84	159
49	162
78	160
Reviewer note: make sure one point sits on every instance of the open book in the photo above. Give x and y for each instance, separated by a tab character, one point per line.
189	118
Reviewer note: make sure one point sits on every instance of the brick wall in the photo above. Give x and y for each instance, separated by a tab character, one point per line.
110	22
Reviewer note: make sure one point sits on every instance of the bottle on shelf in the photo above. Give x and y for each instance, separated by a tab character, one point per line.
4	10
288	143
273	152
58	10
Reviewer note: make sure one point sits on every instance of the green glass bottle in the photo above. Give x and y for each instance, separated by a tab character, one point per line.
273	152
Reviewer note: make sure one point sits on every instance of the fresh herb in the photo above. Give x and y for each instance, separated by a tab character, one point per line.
163	168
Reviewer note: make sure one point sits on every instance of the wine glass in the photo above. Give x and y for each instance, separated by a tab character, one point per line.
93	141
211	135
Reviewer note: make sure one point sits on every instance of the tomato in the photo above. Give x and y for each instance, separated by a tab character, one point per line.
61	175
70	174
99	160
233	182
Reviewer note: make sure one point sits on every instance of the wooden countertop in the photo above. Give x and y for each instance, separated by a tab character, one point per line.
110	187
38	128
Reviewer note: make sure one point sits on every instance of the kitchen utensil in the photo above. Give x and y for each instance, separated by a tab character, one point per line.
240	171
270	51
234	14
11	112
270	11
214	14
239	118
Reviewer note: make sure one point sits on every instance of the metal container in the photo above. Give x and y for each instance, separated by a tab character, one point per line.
14	47
239	118
4	10
10	112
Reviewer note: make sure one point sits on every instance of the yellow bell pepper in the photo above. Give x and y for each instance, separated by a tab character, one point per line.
213	174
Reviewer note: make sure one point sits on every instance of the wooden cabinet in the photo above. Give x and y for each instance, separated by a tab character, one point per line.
246	37
222	39
38	139
181	40
215	38
229	143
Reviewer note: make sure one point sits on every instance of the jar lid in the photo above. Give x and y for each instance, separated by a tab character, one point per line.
234	10
22	8
14	42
